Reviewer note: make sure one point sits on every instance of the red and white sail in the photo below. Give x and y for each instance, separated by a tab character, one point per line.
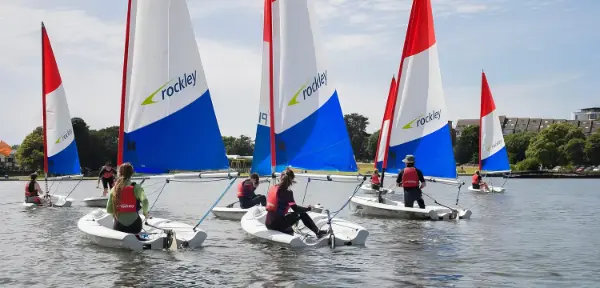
386	125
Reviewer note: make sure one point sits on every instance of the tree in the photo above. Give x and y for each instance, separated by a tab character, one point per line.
574	151
516	145
453	136
31	152
357	131
14	147
467	146
104	144
547	146
372	143
592	148
529	164
85	149
238	146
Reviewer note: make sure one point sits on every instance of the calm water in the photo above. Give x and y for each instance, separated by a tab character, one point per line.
540	233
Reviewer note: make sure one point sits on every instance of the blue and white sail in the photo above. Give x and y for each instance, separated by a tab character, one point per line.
167	117
420	125
309	126
60	149
261	160
492	151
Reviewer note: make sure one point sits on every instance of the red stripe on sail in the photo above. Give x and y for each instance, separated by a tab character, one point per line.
389	111
487	101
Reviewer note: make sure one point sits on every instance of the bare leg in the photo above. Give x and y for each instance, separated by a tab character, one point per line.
104	192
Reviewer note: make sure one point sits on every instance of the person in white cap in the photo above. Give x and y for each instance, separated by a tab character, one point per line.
412	180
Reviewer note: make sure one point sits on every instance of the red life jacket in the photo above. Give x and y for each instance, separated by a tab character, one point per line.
375	179
410	178
475	179
273	203
108	174
30	193
244	187
128	203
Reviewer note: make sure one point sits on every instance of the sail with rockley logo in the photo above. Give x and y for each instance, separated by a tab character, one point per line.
318	81
181	83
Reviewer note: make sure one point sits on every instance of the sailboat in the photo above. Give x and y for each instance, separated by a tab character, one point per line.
382	140
165	103
60	149
303	120
417	125
493	157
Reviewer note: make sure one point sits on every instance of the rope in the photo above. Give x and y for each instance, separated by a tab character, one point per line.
457	193
347	201
216	202
435	201
305	190
161	190
73	189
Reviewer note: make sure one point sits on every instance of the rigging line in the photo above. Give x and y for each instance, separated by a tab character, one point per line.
79	182
348	201
305	190
161	190
216	202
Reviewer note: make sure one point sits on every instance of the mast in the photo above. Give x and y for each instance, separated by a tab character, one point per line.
45	136
124	88
268	26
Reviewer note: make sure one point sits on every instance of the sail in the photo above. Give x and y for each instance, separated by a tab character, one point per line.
384	133
310	131
261	159
492	151
60	149
420	126
167	117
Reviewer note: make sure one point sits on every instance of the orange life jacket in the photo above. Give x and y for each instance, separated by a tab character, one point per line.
273	203
128	203
244	187
375	179
30	193
475	179
410	178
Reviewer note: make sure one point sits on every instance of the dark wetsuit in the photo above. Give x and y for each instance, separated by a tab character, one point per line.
249	198
412	194
108	177
282	220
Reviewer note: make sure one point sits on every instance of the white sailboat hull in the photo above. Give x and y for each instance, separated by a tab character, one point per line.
366	189
99	202
345	232
97	227
370	206
57	201
233	213
492	189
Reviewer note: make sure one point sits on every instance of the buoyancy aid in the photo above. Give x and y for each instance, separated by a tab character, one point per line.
30	193
244	187
410	178
108	174
128	202
475	179
375	179
273	203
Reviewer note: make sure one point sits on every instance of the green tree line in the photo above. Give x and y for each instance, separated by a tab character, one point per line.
559	144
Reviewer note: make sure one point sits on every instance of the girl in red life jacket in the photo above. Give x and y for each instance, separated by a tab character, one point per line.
107	176
125	200
33	190
477	183
246	194
375	182
279	200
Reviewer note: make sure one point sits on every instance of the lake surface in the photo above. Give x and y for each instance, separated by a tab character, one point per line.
540	233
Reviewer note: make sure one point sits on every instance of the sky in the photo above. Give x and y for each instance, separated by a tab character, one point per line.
542	58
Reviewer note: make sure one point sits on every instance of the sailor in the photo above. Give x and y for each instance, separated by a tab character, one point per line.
33	190
107	176
476	182
412	180
279	200
246	194
125	200
375	182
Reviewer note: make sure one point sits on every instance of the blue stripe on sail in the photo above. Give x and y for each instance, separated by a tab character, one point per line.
261	160
433	154
319	142
65	162
188	139
496	162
